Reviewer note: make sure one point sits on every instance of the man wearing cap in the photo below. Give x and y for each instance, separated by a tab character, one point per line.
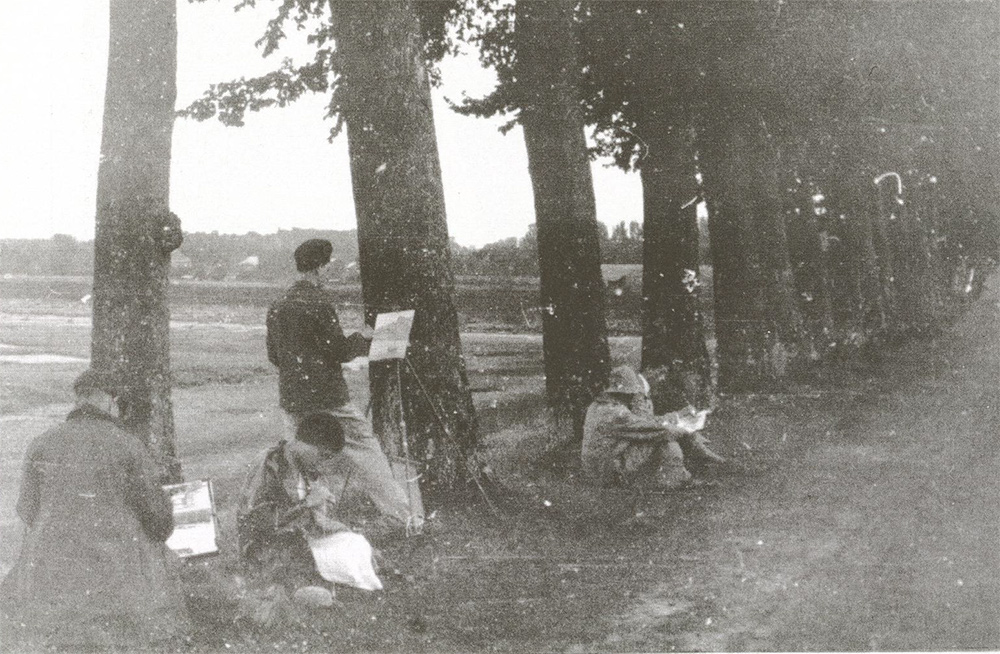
93	571
307	344
625	444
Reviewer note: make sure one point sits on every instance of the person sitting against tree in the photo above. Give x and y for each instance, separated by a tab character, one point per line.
93	572
625	444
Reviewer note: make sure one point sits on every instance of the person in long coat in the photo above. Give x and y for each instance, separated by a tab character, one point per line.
93	571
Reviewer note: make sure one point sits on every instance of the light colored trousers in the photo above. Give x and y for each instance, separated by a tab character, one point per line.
370	472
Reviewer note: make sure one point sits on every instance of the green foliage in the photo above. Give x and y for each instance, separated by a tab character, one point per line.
230	101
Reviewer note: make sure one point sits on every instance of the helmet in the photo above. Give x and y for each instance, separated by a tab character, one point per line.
626	381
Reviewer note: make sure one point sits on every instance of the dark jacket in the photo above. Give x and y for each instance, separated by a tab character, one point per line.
93	569
266	515
307	344
273	523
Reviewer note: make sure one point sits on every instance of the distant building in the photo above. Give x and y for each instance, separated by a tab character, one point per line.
244	270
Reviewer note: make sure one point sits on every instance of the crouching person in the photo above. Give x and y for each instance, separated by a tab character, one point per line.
625	444
293	537
93	572
285	502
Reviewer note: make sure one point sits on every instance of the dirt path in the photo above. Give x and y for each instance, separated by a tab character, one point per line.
881	534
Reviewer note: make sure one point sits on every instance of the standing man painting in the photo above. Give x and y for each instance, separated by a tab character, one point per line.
307	343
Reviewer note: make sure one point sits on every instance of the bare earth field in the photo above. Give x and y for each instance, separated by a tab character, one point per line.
857	513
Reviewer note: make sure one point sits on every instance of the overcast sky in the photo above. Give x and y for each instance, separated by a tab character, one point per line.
276	172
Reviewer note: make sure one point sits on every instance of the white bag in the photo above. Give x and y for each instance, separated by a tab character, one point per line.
345	557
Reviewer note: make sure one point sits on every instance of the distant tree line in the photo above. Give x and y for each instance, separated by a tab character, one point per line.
61	255
260	257
268	257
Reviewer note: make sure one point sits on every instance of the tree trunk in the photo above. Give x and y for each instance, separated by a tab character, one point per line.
575	344
855	200
757	322
924	220
135	230
809	262
909	240
402	232
674	354
888	196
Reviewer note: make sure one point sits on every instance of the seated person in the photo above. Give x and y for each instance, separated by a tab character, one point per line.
93	572
625	444
285	500
369	497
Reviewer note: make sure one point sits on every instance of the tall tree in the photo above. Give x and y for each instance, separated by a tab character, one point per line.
678	69
538	66
577	357
135	230
402	229
642	84
381	93
757	319
674	352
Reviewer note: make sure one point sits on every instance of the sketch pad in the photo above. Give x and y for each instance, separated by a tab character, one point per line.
195	527
392	335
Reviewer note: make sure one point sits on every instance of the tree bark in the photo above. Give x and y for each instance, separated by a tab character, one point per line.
854	199
135	231
574	331
674	354
757	322
404	256
887	192
918	283
867	315
809	262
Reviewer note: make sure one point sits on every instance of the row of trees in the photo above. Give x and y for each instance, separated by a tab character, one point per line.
785	117
757	107
518	257
268	257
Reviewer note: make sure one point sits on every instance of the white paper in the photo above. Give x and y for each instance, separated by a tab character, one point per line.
195	532
392	335
345	558
692	422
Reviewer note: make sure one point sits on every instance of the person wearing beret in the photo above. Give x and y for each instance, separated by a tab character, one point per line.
306	342
93	572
